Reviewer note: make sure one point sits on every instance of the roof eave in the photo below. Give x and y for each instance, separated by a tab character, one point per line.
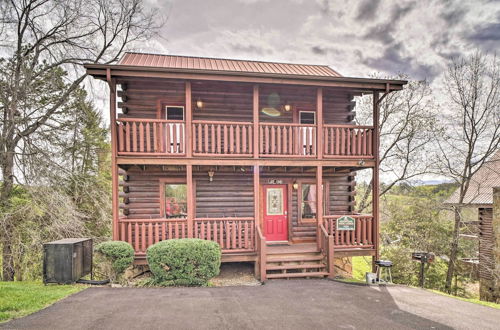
385	84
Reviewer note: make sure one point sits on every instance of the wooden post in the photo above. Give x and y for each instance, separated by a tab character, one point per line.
319	202
256	140
114	166
331	263
375	176
189	118
256	194
190	199
319	123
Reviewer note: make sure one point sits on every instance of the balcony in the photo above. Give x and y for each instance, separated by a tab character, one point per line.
167	138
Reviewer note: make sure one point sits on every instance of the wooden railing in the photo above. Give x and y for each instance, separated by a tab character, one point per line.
236	139
326	247
361	237
260	243
150	137
222	138
287	140
347	141
141	233
232	234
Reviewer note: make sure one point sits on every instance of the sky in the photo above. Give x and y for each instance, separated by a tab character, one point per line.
356	38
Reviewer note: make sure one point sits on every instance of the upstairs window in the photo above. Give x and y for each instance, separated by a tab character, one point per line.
174	112
307	117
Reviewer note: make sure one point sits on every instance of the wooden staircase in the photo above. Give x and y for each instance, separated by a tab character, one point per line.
295	261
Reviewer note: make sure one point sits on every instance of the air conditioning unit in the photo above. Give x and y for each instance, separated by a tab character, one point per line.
67	260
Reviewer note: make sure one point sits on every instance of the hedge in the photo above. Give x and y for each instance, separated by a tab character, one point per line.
188	261
120	254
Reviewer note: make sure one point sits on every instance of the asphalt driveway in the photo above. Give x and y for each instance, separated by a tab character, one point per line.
279	304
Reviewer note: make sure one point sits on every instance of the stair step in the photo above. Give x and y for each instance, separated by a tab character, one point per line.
285	258
308	228
289	275
304	234
295	266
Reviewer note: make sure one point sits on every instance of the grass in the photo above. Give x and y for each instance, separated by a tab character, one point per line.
471	300
19	299
360	266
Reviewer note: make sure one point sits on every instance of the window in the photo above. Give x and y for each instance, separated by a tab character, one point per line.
174	199
307	117
174	113
308	201
308	205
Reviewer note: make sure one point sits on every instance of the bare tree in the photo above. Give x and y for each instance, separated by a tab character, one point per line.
472	129
46	43
407	123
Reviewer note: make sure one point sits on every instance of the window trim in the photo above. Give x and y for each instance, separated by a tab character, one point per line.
165	106
307	111
326	200
162	183
162	103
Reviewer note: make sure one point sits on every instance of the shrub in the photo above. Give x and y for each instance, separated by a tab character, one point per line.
120	255
184	261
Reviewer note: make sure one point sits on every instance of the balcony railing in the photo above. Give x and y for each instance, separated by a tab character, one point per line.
156	137
222	138
361	237
232	234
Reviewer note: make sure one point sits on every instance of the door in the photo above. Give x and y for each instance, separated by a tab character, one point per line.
275	213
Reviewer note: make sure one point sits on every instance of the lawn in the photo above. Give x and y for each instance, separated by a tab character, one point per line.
18	299
471	300
360	266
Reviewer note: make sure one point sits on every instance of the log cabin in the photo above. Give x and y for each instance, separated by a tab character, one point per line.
259	157
479	196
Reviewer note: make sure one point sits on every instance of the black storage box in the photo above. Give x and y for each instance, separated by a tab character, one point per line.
67	260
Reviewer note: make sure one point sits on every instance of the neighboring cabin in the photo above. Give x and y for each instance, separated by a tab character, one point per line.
260	157
480	195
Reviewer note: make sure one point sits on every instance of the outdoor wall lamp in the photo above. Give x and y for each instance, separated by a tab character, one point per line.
361	162
295	186
211	175
287	107
199	104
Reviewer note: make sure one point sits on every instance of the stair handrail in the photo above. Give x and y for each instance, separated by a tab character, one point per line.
261	251
326	246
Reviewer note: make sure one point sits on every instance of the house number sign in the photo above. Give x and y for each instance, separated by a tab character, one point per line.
346	223
275	181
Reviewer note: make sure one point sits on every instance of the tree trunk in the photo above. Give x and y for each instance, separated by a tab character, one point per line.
453	251
7	164
364	203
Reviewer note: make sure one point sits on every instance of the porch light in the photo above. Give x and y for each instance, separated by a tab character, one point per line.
295	186
199	104
211	175
287	107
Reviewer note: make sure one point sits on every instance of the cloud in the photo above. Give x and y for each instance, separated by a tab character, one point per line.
318	50
367	10
486	36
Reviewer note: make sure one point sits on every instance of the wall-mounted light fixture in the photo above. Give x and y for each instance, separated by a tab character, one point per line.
361	162
287	107
211	173
295	185
199	104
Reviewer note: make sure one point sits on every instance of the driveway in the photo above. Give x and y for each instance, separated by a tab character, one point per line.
279	304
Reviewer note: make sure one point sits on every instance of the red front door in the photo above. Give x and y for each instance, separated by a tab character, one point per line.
275	213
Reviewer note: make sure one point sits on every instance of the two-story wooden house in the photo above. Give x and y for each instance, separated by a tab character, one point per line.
257	156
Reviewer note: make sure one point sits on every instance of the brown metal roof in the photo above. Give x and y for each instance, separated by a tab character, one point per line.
480	191
228	65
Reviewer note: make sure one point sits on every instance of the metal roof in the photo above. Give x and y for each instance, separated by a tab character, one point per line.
226	65
480	191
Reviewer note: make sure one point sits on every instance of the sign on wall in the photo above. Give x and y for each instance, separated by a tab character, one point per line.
346	223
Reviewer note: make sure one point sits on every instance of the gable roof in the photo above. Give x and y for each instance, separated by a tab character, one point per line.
480	191
224	65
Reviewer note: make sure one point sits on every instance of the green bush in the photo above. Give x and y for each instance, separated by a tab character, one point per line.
119	254
184	261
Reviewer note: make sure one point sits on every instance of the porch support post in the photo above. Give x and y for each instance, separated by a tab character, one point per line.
319	123
190	200
375	176
256	145
319	202
114	165
256	195
189	117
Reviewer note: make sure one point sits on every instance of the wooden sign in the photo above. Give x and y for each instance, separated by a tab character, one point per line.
346	223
